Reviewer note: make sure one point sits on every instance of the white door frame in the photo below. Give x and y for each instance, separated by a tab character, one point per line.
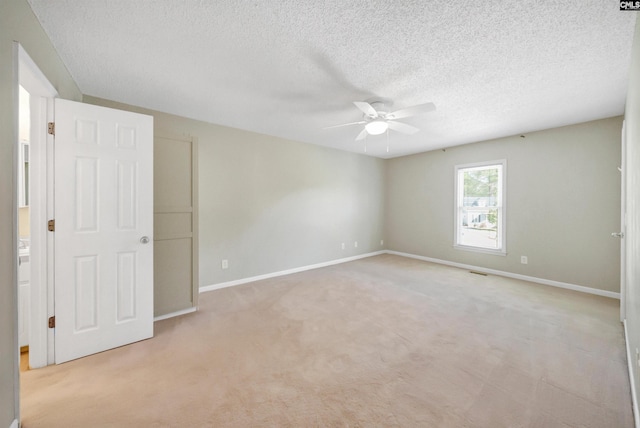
623	224
41	93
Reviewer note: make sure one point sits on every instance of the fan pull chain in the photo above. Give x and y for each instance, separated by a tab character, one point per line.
387	140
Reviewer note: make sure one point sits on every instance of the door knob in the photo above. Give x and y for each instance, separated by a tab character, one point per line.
144	240
618	234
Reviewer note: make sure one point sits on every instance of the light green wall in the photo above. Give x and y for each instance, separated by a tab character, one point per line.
268	204
17	23
563	202
632	240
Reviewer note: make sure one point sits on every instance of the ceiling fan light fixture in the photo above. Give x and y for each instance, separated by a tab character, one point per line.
376	127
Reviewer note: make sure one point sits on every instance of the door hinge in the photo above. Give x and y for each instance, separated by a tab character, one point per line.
51	225
51	128
52	322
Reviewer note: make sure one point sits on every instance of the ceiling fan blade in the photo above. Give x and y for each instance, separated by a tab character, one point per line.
402	127
345	124
412	111
366	108
362	135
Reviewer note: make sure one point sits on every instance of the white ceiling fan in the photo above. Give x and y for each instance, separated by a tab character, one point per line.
377	119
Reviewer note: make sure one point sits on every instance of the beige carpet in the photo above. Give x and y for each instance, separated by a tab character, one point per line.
380	342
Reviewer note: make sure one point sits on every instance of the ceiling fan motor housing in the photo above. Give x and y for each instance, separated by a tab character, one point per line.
381	106
377	124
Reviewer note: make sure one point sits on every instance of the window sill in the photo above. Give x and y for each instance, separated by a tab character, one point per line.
480	250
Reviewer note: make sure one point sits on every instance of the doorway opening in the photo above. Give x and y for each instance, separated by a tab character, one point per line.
24	271
35	190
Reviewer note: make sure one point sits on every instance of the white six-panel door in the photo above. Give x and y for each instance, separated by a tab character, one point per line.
103	229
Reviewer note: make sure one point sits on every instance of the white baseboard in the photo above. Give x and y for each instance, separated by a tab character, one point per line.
559	284
634	398
174	314
286	272
14	424
549	282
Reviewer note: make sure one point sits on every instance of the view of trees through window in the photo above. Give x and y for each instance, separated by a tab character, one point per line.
480	206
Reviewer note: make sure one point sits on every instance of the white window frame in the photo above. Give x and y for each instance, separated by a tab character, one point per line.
502	204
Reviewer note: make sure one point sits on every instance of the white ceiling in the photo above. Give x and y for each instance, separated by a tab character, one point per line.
290	68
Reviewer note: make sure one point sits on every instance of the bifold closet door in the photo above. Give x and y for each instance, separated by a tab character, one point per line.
176	225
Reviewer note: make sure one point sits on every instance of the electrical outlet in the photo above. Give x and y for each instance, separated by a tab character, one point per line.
343	245
381	242
225	264
355	244
524	260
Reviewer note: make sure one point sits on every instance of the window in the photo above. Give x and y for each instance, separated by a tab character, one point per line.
480	207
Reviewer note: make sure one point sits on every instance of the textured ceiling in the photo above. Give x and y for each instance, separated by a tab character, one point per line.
290	68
